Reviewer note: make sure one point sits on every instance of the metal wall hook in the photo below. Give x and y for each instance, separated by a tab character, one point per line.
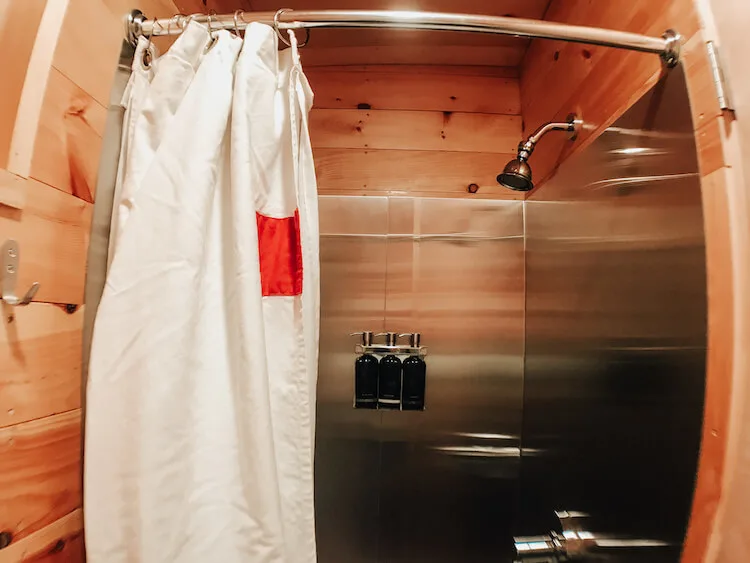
9	274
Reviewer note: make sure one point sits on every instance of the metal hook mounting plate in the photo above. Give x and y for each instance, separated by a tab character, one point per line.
9	274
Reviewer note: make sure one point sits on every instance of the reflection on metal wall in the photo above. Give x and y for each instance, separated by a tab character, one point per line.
616	333
439	485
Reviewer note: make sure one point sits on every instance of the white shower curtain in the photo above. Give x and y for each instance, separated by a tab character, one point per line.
201	392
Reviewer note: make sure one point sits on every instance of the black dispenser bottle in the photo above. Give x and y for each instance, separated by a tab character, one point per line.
365	376
415	372
389	386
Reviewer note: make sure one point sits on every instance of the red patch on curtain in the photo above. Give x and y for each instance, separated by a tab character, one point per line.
280	255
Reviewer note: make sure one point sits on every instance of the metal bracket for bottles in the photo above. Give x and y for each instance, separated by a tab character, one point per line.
383	349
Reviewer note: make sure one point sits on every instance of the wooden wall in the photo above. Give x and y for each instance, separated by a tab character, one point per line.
58	59
731	528
600	85
422	130
428	130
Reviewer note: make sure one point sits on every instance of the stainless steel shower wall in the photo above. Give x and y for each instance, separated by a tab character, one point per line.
616	332
440	485
353	247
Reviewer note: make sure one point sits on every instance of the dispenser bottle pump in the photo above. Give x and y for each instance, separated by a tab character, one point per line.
365	376
414	379
389	386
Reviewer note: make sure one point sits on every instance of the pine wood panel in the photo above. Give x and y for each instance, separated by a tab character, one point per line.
89	27
218	6
50	137
60	542
730	540
34	88
598	83
40	472
709	141
378	172
19	21
406	88
69	138
40	351
414	130
152	8
53	232
413	55
451	70
719	367
384	46
12	190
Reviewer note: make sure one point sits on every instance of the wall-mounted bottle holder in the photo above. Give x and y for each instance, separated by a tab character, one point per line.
389	376
399	350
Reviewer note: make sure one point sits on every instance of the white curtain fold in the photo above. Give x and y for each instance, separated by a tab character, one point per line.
201	391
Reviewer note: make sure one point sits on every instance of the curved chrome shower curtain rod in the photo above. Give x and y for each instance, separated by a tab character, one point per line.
667	46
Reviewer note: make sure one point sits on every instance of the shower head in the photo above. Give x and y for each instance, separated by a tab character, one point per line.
517	173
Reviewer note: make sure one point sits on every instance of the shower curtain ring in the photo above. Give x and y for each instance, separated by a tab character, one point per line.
185	20
281	35
211	36
307	38
147	55
236	25
176	20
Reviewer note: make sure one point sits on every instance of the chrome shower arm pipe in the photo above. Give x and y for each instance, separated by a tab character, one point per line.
666	46
525	148
547	127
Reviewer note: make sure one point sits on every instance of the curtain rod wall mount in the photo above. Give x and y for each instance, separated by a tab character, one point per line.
667	46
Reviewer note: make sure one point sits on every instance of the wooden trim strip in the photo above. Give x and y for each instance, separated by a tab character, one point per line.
719	365
34	88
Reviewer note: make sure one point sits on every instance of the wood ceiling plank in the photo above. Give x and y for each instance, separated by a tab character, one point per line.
414	130
411	90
